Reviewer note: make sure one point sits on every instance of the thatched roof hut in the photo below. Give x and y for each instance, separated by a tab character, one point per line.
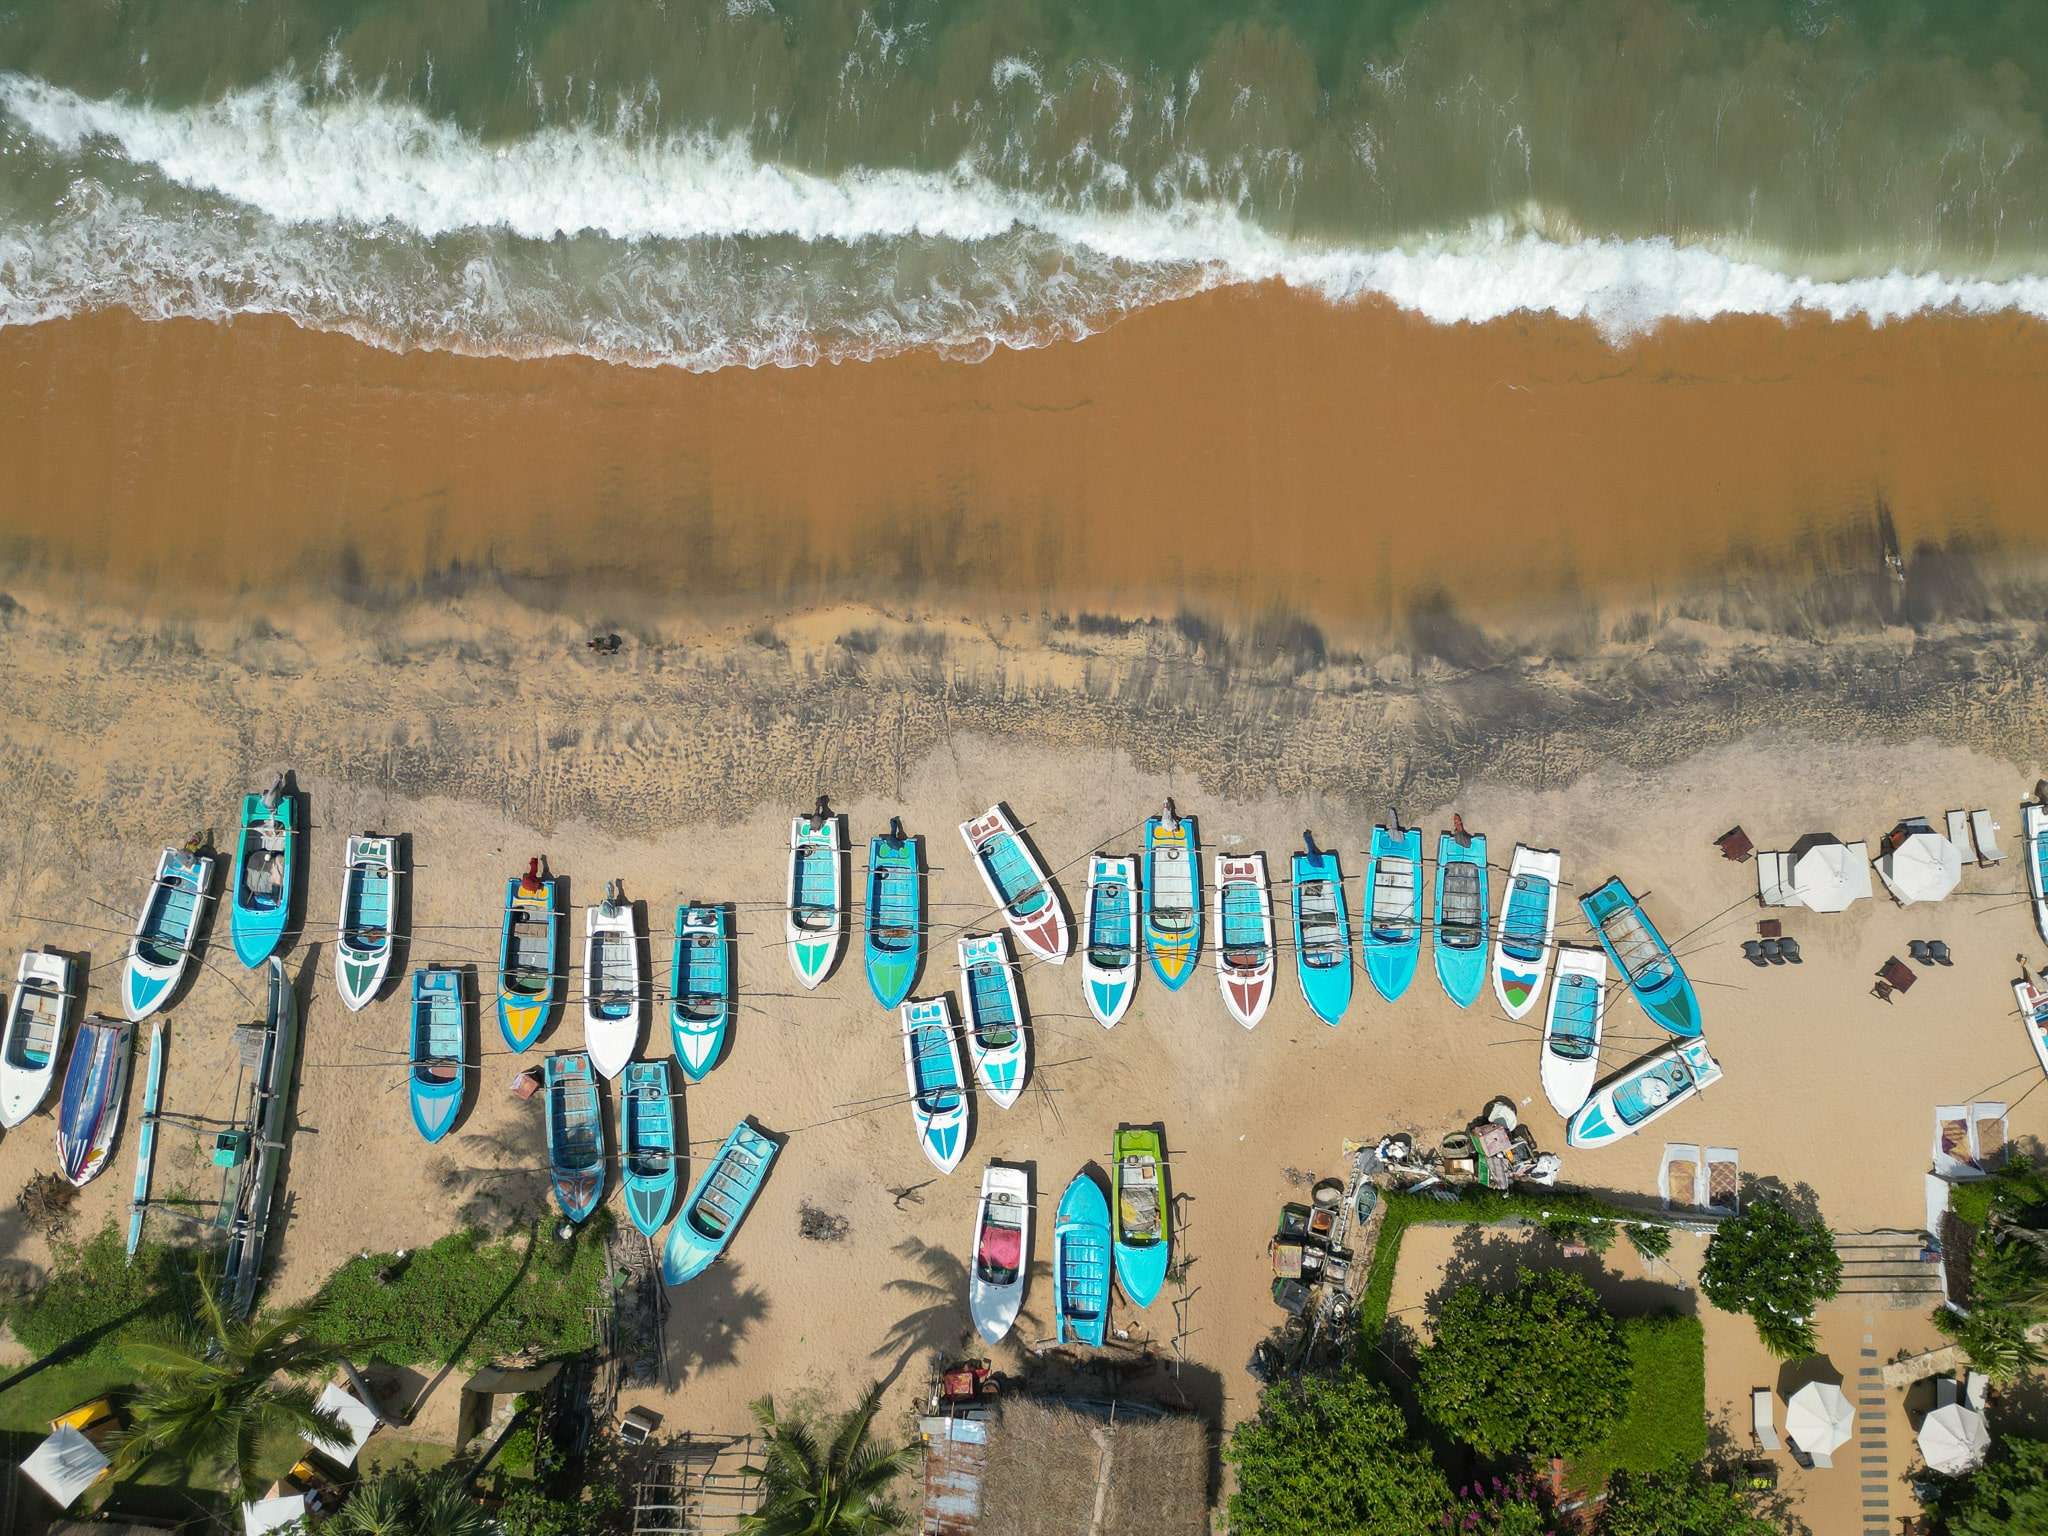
1060	1471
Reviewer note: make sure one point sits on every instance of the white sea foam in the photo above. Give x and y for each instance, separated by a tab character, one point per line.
363	214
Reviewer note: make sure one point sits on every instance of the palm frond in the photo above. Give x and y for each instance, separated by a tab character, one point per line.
853	1428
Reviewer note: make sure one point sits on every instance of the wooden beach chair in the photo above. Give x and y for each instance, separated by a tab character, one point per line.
1987	1135
1985	832
1722	1175
1952	1140
1735	845
1763	1418
1898	973
1680	1171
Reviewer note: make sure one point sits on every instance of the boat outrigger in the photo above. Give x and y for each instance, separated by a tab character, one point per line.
1392	940
526	956
1173	896
34	1039
95	1089
1458	931
700	988
576	1151
439	1059
1528	928
1571	1030
719	1201
815	923
145	1135
647	1145
895	894
166	931
938	1088
1109	954
1144	1223
1002	1252
611	983
254	1155
1639	952
1244	936
1018	883
993	1012
1652	1087
369	889
1081	1261
1322	933
265	857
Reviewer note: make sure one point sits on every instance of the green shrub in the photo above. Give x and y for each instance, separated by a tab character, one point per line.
92	1287
1649	1239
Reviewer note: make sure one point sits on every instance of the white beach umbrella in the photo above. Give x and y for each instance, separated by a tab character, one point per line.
1819	1418
1827	874
1925	867
65	1465
1954	1438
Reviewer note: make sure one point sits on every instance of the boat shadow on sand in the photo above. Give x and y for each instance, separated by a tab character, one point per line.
710	1318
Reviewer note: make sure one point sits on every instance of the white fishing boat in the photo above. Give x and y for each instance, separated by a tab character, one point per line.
611	984
166	930
938	1088
994	1015
1109	938
815	921
1244	936
2034	837
2034	1013
1646	1090
1002	1252
1571	1029
1528	929
36	1012
369	896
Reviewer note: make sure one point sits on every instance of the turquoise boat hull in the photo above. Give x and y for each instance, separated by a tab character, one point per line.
700	988
1322	935
1081	1263
166	933
1392	937
719	1201
529	943
1141	1257
439	1069
1173	876
1459	916
647	1144
260	896
576	1150
895	895
1655	978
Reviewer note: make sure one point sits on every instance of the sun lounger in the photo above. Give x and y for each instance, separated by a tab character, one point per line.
1722	1174
1679	1171
1944	1391
1774	880
1819	1459
1959	829
1985	831
1763	1416
1973	1390
1987	1135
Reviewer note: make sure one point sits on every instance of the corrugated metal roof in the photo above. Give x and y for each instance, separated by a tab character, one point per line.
955	1454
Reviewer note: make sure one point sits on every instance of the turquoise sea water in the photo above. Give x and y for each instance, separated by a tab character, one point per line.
763	181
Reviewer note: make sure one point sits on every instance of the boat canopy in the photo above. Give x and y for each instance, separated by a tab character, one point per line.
1528	915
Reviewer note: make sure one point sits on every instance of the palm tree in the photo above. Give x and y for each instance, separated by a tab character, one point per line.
408	1502
211	1393
843	1491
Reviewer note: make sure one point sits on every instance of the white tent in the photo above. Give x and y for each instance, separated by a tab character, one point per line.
358	1419
1924	867
1826	875
1819	1419
287	1512
65	1465
1953	1438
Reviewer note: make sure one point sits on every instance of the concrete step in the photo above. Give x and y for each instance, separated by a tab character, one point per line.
1846	1240
1891	1285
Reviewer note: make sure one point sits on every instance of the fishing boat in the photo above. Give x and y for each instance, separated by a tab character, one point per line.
938	1089
894	895
145	1135
1002	1252
1018	883
1640	953
1109	959
1528	928
265	854
526	956
36	1012
1244	936
95	1087
1144	1230
1322	934
1173	896
1458	928
1571	1030
718	1203
254	1155
816	921
166	931
647	1145
369	886
990	1004
1392	940
1081	1260
2034	838
2034	1014
700	988
1654	1086
611	983
438	1063
576	1152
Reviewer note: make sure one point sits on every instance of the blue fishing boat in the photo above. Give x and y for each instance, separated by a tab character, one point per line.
938	1088
894	895
1393	902
1081	1260
1144	1230
1458	932
700	988
647	1144
440	1055
362	950
166	931
1109	953
265	854
1322	934
1173	896
718	1203
526	956
1528	924
1641	955
95	1089
994	1016
1638	1094
576	1151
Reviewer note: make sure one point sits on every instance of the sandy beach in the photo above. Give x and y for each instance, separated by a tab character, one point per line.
488	736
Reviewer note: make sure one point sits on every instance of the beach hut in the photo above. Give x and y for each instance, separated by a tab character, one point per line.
1818	1420
1920	864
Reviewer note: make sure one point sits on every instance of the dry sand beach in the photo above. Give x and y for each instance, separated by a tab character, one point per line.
489	736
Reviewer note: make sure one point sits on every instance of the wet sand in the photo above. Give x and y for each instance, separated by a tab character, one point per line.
1243	452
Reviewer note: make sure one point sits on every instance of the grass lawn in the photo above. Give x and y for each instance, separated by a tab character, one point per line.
1667	1405
58	1389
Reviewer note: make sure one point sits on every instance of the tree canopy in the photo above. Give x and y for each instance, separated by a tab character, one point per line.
1540	1370
1330	1456
2008	1493
1677	1500
1775	1266
836	1488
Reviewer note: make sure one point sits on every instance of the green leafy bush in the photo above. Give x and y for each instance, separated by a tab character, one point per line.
1677	1500
1331	1453
1776	1267
93	1289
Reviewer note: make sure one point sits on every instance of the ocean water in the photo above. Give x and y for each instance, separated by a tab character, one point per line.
750	182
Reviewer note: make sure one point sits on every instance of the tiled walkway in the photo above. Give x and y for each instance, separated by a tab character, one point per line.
1873	1458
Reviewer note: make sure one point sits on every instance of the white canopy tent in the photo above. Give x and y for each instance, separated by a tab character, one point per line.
65	1465
1954	1438
286	1512
1924	867
1819	1419
358	1420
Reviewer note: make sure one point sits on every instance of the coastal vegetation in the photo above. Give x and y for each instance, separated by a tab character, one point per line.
1776	1266
2007	1291
2009	1493
406	1501
836	1483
